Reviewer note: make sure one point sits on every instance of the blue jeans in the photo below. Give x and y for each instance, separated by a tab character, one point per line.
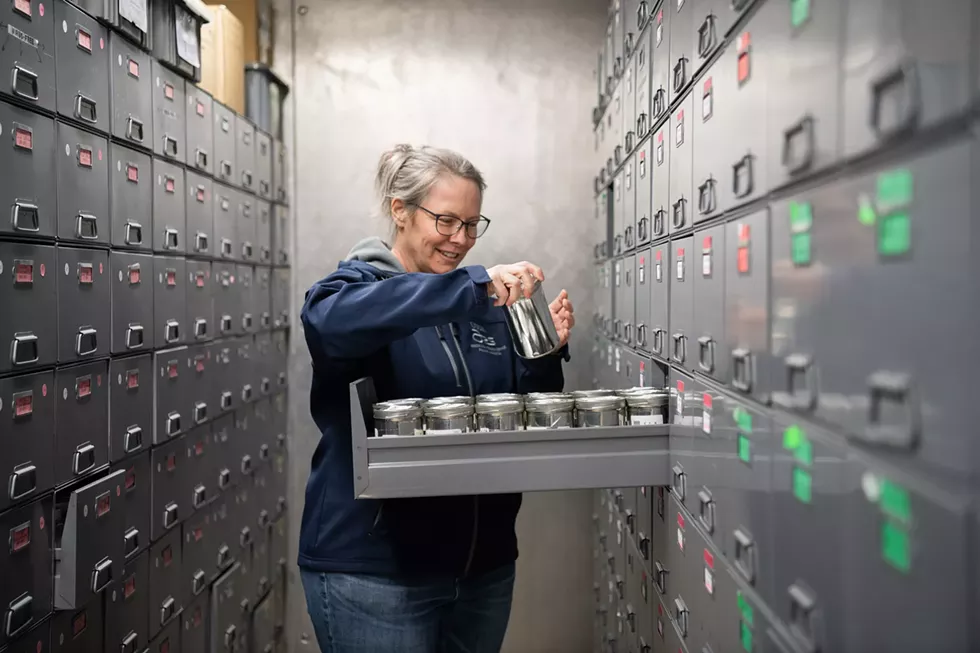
375	614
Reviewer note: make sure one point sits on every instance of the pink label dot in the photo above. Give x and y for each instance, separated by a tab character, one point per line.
43	269
44	390
41	11
102	44
100	268
98	380
40	523
100	155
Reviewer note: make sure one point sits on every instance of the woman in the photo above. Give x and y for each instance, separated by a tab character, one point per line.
414	575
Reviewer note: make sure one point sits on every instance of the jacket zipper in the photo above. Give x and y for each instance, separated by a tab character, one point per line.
452	361
462	359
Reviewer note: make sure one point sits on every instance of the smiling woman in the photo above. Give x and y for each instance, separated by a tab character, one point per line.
414	575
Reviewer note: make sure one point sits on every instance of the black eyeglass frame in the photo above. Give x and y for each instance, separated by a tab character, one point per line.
460	223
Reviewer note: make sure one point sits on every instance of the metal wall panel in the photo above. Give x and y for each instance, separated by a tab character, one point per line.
130	406
132	302
200	215
84	298
708	338
169	208
169	301
82	64
83	186
131	184
27	405
200	130
169	117
131	92
681	271
680	138
83	401
245	153
225	222
27	162
32	78
27	564
28	292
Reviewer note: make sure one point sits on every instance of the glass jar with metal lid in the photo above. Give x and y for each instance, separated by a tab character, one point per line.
600	410
646	406
397	418
447	418
500	396
449	400
601	392
500	415
549	410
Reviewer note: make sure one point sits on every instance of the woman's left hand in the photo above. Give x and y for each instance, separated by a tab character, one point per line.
563	315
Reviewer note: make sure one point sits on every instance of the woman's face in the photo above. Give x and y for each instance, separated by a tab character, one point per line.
419	245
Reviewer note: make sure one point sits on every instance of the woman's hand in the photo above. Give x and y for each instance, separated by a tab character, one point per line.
563	314
508	282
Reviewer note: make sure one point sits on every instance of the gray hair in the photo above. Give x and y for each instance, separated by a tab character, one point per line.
408	173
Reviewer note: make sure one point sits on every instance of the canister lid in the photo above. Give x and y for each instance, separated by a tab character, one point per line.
581	394
449	400
499	406
549	402
448	410
500	396
646	397
600	403
397	411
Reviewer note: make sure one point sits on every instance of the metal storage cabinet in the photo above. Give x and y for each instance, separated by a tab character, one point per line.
280	297
132	301
225	356
200	215
660	69
78	631
168	639
680	138
280	171
165	579
83	304
200	390
132	94
198	488
131	184
629	205
747	324
802	107
660	209
225	222
224	145
245	228
172	379
28	325
855	334
681	45
247	315
747	60
200	301
644	188
281	230
38	639
130	406
641	105
169	208
263	165
628	84
618	214
644	265
708	337
682	335
263	235
194	637
227	298
169	118
169	503
169	301
27	426
83	186
26	162
659	308
82	65
200	130
136	502
30	66
712	101
126	608
245	153
27	564
83	401
906	66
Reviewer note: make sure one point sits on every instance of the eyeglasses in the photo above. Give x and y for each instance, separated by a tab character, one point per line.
449	225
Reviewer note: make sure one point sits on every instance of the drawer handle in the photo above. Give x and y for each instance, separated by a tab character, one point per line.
742	372
644	546
681	615
641	229
743	178
134	336
130	643
264	520
795	159
226	398
247	392
659	220
86	226
224	556
172	331
641	335
896	388
23	481
171	238
200	328
167	610
200	496
200	412
801	384
706	36
707	197
225	169
642	125
659	102
134	129
745	555
86	109
101	575
23	83
83	459
247	178
226	248
247	321
19	615
170	515
679	217
642	13
706	514
169	146
134	233
199	583
679	482
173	424
24	217
24	349
264	188
201	242
679	353
265	385
245	537
706	354
224	479
133	441
658	341
230	637
802	616
246	464
680	74
201	159
131	541
905	80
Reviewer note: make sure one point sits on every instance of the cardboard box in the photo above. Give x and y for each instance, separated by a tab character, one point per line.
223	58
258	21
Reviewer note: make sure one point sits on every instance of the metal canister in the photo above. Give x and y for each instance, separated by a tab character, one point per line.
500	396
448	418
531	325
500	415
688	408
581	394
646	406
549	411
461	399
600	410
393	418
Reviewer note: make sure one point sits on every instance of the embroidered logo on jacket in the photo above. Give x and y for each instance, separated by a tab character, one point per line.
484	342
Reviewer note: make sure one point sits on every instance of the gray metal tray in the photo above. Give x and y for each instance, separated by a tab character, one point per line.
503	461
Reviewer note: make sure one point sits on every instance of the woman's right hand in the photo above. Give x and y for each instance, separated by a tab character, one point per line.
509	282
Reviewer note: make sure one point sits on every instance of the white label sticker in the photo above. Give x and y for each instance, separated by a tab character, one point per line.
707	104
706	422
642	273
659	272
660	153
646	420
135	12
679	134
709	581
188	44
706	264
680	539
680	404
660	33
680	269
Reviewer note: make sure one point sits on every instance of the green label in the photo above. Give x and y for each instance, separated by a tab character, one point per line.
894	188
895	501
744	449
792	437
799	12
895	546
745	634
743	419
800	249
804	452
894	234
746	610
802	485
800	216
866	211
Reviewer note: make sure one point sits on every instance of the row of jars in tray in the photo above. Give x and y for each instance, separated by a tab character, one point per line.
514	412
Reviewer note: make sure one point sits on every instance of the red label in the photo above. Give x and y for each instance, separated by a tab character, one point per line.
20	537
707	243
134	68
200	194
199	364
199	448
84	387
198	616
172	369
707	401
85	274
133	173
171	278
680	253
744	67
23	6
170	185
85	157
680	521
168	556
23	138
165	646
643	155
134	275
24	405
659	257
744	41
168	91
200	108
680	386
132	379
199	281
743	259
84	40
130	481
102	505
660	16
130	586
709	559
24	273
680	116
707	85
198	534
78	624
171	462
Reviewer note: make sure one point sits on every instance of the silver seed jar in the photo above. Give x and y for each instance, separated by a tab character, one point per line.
549	411
397	418
646	406
446	419
449	400
500	415
500	396
601	410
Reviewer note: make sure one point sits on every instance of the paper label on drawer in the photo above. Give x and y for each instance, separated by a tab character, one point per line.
135	12
646	420
680	404
680	539
706	422
443	431
709	581
188	44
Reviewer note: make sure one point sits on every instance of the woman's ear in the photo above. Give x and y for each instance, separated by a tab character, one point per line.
399	213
